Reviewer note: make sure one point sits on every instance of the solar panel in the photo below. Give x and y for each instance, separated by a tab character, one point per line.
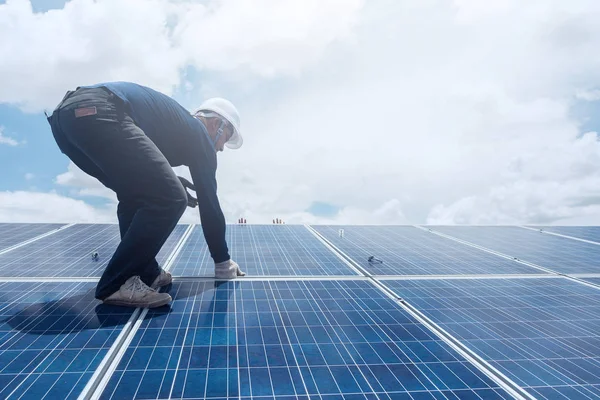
284	339
559	254
52	337
595	281
263	250
68	253
407	250
591	233
12	234
542	333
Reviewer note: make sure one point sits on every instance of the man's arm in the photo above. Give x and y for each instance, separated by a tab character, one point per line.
211	215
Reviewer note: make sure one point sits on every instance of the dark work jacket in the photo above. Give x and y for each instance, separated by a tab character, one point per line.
183	140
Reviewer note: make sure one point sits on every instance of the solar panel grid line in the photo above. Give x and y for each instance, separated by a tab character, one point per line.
46	279
457	277
273	278
501	379
329	246
388	338
541	230
321	353
34	239
303	355
53	346
105	370
497	253
287	340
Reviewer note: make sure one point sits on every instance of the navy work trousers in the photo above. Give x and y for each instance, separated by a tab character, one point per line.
92	128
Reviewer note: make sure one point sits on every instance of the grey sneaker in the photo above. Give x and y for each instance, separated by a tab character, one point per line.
228	270
135	293
163	279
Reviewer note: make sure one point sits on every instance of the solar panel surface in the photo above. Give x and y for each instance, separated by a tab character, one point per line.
12	234
313	336
272	339
542	333
282	250
406	250
553	252
67	253
53	335
591	233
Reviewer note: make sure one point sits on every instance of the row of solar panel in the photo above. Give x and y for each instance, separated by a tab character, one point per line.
288	250
301	339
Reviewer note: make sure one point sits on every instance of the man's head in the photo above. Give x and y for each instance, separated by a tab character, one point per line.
222	122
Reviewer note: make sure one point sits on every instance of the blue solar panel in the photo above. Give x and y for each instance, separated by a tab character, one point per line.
553	252
595	281
68	253
52	337
290	339
542	333
13	234
407	250
263	250
591	233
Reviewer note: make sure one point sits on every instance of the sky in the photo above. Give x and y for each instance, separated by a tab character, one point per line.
353	111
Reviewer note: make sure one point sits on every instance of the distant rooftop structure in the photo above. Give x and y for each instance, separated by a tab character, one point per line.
325	312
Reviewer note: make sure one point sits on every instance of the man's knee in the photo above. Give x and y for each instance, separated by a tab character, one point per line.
180	200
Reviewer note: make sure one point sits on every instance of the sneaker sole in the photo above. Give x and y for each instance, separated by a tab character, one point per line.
153	304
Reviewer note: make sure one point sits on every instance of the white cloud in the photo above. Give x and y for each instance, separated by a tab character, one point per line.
7	140
152	41
83	184
26	206
29	176
398	112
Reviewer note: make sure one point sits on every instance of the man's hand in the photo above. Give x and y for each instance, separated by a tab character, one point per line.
228	270
192	201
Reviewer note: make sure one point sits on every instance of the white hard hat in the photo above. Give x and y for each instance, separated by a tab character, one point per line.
228	111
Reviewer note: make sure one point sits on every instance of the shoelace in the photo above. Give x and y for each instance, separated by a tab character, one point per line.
138	286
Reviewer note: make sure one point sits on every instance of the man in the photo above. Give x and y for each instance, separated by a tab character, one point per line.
128	137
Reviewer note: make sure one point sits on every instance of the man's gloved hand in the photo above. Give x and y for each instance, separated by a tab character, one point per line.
228	270
192	201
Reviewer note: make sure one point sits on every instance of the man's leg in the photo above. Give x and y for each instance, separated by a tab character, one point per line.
136	170
126	210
